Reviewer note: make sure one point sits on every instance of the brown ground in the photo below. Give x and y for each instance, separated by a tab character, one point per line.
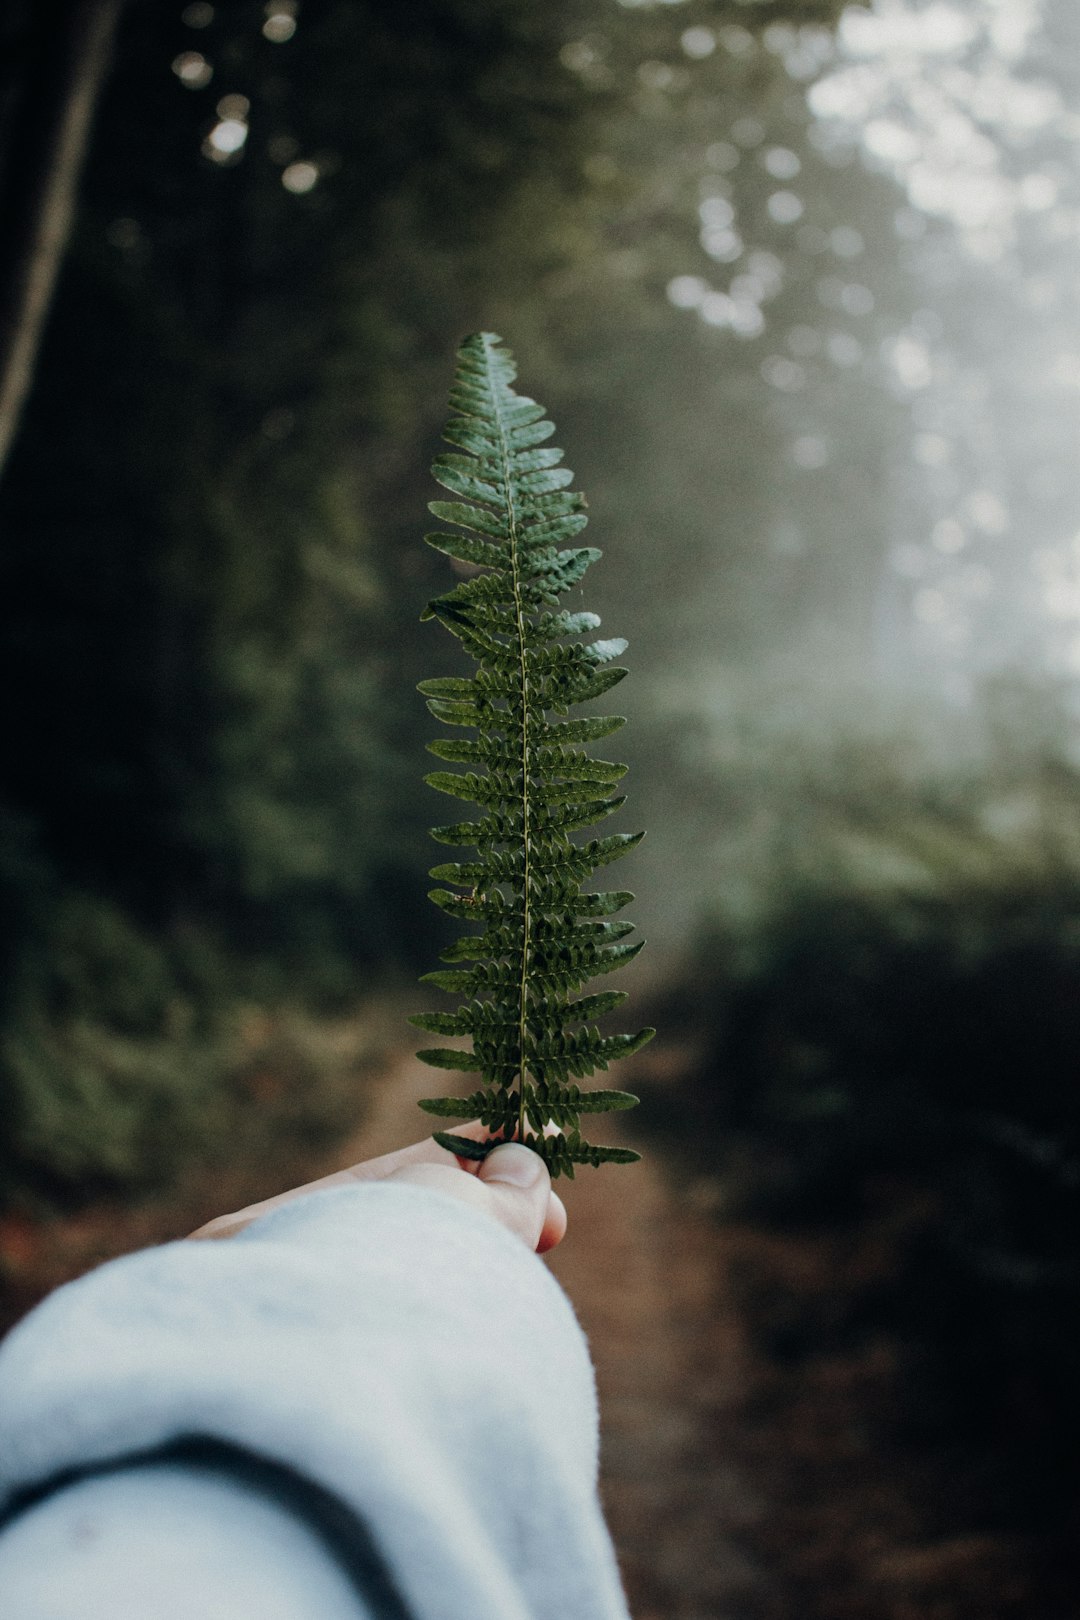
739	1484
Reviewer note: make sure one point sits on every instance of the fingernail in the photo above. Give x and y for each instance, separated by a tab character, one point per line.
513	1164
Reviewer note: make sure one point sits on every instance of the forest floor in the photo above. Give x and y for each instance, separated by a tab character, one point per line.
741	1481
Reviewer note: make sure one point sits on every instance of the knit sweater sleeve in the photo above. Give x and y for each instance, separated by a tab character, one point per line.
393	1349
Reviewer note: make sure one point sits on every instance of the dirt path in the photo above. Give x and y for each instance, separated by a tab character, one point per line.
641	1271
740	1484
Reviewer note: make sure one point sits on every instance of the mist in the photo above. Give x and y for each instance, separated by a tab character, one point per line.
796	281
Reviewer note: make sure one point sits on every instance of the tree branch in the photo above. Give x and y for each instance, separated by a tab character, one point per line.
67	58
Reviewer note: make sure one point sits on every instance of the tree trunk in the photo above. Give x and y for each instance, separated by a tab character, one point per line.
65	54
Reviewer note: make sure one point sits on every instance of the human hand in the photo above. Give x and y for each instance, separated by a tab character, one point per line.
511	1184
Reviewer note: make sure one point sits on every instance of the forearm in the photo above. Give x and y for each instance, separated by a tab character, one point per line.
397	1348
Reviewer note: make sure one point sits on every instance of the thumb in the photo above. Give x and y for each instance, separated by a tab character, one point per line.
519	1185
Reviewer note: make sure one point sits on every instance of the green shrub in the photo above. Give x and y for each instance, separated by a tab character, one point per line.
875	1046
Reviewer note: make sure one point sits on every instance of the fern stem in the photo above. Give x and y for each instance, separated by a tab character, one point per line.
519	620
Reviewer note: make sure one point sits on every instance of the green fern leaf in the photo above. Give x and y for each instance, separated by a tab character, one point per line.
463	1146
541	938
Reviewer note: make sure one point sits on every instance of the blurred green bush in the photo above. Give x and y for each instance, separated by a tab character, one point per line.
899	1031
210	576
129	1056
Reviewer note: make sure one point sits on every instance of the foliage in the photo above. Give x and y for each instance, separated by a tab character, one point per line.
896	1042
543	937
208	564
126	1060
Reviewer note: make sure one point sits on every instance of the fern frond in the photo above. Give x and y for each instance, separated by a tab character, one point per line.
541	938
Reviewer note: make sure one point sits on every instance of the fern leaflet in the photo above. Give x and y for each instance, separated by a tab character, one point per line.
541	938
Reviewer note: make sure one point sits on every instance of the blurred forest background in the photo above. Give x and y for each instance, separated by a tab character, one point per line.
796	282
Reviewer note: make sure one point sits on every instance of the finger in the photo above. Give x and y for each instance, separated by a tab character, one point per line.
554	1227
497	1199
519	1185
427	1151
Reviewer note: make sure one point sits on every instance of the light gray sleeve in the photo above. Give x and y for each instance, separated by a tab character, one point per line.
168	1542
395	1347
